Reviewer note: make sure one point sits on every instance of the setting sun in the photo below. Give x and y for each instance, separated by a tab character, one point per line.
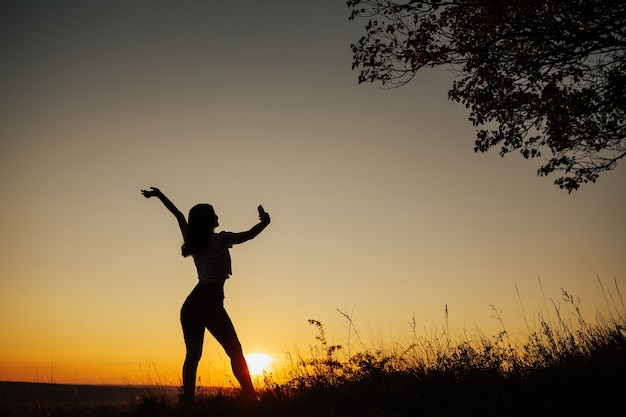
258	362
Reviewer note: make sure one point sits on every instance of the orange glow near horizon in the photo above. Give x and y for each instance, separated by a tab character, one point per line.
162	367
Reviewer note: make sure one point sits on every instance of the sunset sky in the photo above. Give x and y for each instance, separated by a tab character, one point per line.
380	208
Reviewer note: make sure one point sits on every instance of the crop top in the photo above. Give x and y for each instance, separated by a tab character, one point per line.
213	263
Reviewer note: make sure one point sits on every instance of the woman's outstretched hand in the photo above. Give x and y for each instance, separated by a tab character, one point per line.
263	216
152	192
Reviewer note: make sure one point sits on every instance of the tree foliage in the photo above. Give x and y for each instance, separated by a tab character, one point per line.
546	78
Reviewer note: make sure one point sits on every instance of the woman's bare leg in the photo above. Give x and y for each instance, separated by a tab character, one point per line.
221	327
190	368
239	365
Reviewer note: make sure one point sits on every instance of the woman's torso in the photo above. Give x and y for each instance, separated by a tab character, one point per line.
213	263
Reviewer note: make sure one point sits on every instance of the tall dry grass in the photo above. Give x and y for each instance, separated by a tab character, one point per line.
566	366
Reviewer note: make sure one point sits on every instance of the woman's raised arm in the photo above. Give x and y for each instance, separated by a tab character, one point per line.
180	217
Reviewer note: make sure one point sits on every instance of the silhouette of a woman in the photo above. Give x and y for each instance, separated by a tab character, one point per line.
204	307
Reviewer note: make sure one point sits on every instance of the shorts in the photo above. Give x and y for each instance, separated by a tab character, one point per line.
204	309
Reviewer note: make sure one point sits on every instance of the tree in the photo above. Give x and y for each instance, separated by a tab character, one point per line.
546	78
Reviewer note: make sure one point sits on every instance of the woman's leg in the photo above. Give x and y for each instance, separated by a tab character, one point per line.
190	368
221	327
238	363
193	333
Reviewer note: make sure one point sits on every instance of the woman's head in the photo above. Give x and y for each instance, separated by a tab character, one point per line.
203	215
202	221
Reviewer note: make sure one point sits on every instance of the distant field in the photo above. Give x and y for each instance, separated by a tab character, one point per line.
23	398
31	393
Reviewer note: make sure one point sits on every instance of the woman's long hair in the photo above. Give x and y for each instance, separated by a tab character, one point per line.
200	227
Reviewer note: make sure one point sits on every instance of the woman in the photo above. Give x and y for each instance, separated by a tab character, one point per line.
204	307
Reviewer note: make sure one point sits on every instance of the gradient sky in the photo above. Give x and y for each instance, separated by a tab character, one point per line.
380	207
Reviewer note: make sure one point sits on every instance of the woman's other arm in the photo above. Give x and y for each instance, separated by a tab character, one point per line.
255	230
